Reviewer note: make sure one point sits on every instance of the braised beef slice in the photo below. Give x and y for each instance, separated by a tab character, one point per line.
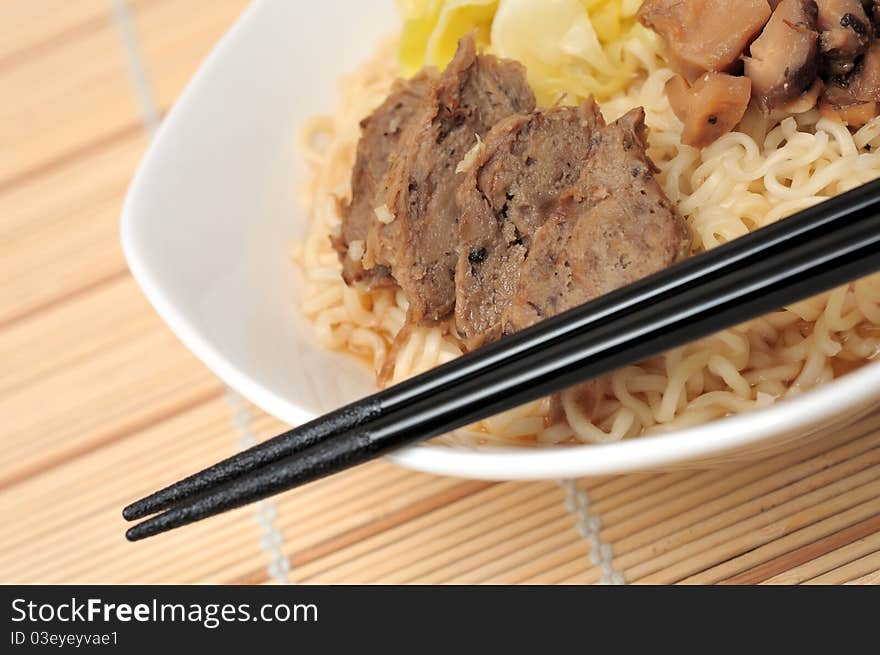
845	32
703	35
616	227
418	238
527	162
380	134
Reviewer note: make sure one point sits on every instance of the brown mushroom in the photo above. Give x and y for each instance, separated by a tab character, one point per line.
806	101
872	9
838	104
699	35
853	115
712	107
864	83
845	32
784	60
854	100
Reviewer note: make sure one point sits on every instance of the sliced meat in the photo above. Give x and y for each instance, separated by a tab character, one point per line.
784	60
416	230
711	108
515	181
702	35
616	227
845	32
380	134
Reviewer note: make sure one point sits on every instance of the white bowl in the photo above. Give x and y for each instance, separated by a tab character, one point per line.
211	211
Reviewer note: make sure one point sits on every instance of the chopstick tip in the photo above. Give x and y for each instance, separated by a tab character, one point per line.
150	528
136	533
132	512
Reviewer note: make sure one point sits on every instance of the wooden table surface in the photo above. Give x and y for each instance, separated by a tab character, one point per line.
100	403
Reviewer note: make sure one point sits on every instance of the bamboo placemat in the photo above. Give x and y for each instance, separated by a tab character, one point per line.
100	403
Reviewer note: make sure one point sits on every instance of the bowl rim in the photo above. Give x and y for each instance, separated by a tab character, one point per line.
496	463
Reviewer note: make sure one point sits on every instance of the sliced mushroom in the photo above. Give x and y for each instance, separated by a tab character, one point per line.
854	115
784	60
806	101
699	35
845	32
864	83
679	93
872	9
854	100
711	108
837	103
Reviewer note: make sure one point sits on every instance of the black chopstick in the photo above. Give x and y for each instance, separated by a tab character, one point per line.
811	252
809	224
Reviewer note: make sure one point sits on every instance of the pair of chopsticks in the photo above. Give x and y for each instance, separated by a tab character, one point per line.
811	252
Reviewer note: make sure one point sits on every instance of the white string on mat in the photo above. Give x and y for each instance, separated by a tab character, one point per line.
272	541
589	525
146	99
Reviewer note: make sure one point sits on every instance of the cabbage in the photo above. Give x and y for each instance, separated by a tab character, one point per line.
433	28
458	18
419	20
572	48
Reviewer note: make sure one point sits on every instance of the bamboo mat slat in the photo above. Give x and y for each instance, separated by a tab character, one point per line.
869	579
52	222
457	522
45	24
707	495
681	555
826	563
176	36
116	388
62	111
710	514
101	404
